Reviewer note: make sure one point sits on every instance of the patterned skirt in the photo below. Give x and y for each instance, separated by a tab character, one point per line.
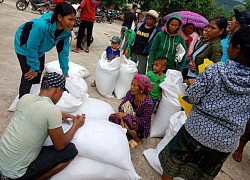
187	158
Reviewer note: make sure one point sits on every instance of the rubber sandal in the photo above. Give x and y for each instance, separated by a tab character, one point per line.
86	50
133	143
73	50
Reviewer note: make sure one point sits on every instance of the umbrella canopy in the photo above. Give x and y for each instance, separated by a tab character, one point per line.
198	20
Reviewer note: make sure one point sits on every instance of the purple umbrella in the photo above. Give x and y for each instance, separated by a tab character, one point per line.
190	17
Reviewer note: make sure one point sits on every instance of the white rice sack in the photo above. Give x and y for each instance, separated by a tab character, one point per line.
105	142
77	87
106	75
69	103
176	122
169	104
127	71
95	109
85	168
74	69
65	128
72	101
35	89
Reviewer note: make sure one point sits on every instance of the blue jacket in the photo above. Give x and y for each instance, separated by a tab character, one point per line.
37	36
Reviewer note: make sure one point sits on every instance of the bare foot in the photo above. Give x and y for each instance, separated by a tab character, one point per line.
77	50
237	156
87	50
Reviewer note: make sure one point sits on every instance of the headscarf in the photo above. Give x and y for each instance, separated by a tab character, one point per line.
144	82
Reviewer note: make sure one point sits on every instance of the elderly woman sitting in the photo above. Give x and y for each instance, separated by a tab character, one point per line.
135	110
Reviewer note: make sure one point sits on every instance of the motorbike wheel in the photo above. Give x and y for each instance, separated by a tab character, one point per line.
45	9
104	19
1	1
21	5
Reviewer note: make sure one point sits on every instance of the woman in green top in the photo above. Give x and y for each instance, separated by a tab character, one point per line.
165	44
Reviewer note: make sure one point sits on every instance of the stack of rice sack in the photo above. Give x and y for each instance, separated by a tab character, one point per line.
114	76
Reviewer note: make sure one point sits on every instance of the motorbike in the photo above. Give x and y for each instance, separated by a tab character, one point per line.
1	1
42	7
101	17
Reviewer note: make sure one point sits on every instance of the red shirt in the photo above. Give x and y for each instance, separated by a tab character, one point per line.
88	10
58	1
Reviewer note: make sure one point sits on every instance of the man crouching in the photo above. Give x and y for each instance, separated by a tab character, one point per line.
22	154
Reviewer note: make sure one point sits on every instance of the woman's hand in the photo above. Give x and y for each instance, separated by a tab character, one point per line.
191	81
30	75
66	116
120	115
123	124
192	65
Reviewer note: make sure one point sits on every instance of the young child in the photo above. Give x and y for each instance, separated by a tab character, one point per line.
112	51
157	77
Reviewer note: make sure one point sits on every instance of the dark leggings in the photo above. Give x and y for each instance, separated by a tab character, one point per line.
25	84
83	25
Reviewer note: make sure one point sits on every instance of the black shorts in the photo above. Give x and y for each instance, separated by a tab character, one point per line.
48	159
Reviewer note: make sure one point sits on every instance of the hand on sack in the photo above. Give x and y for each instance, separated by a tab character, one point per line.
120	115
192	65
189	82
30	75
66	116
79	120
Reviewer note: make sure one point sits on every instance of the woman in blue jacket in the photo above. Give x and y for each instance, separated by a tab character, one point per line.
40	35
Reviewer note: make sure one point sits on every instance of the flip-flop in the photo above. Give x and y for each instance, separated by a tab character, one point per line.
237	156
73	50
87	51
133	143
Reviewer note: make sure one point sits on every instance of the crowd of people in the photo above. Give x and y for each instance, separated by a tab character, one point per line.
220	95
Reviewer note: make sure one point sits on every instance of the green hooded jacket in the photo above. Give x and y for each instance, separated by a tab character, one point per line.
164	45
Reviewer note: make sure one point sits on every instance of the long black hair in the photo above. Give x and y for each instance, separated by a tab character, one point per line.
222	23
63	9
242	38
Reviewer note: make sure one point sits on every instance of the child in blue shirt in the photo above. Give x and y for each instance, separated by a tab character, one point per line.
112	51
